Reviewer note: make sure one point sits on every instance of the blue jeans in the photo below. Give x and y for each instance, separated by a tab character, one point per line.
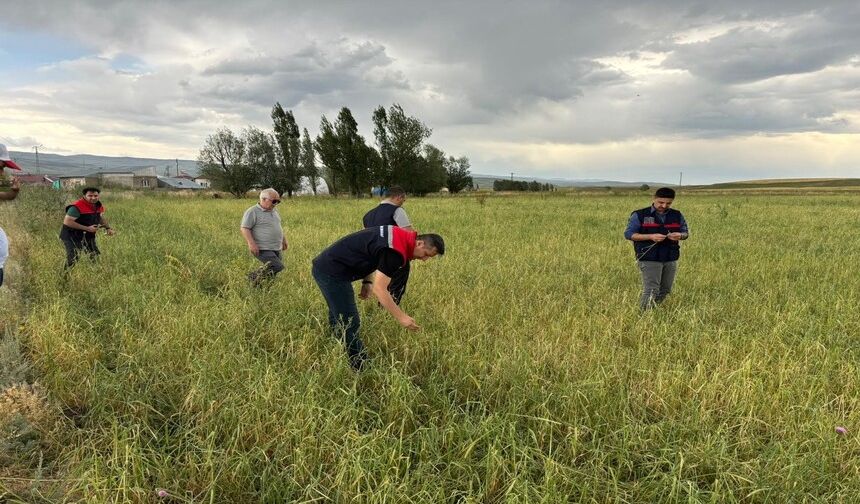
342	315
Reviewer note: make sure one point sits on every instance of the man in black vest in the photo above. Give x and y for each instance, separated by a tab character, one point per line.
390	213
373	255
656	233
83	218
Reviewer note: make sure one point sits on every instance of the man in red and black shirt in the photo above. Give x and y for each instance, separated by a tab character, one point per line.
656	233
373	255
83	218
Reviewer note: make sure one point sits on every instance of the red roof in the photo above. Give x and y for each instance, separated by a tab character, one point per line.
33	179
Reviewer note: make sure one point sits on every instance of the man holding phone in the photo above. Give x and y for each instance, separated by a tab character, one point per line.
656	232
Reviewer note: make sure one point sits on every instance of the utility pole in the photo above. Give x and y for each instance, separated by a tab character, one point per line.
680	178
512	176
36	148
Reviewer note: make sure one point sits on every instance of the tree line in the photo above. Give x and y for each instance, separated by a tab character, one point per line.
280	159
521	185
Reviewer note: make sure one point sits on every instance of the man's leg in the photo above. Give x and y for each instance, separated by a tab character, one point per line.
652	272
397	287
90	246
343	315
73	251
670	269
272	265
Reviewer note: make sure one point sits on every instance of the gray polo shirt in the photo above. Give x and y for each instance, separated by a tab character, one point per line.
400	216
265	226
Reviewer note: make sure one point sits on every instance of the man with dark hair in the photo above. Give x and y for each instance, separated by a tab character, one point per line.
12	193
376	253
390	212
83	218
656	232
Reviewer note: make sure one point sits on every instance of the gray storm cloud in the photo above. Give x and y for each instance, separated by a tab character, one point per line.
566	72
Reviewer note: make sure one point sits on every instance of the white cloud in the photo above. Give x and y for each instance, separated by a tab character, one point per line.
540	74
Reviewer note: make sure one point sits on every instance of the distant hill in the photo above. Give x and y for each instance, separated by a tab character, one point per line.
84	164
486	181
785	183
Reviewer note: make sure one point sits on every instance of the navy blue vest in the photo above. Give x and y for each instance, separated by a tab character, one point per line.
354	256
666	250
86	219
382	215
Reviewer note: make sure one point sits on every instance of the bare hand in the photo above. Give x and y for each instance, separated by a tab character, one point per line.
16	184
110	232
366	289
91	229
674	236
285	245
409	323
255	250
657	237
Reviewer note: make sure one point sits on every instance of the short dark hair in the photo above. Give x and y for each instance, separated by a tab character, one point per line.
90	189
665	192
433	240
395	191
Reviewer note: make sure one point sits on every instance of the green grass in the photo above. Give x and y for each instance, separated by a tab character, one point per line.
535	378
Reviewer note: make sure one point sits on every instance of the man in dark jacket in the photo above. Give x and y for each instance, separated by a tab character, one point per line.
390	213
373	255
83	218
656	233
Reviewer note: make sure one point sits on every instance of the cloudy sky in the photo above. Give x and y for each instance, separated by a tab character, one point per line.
718	89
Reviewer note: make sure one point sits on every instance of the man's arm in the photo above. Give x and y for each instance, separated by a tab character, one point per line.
109	230
380	290
683	234
12	193
633	226
249	239
402	220
69	221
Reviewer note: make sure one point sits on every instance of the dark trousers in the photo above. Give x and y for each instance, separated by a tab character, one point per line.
397	287
75	248
342	315
272	265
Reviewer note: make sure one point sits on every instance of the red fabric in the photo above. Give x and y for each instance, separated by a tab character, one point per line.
403	242
9	164
88	208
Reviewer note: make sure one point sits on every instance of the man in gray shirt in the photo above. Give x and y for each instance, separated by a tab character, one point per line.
390	213
261	228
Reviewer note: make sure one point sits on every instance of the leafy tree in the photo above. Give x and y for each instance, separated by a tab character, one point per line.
222	160
426	174
261	156
353	153
402	148
326	145
287	137
521	185
457	172
308	162
381	174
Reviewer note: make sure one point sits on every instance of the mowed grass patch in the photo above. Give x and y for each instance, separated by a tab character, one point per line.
535	378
